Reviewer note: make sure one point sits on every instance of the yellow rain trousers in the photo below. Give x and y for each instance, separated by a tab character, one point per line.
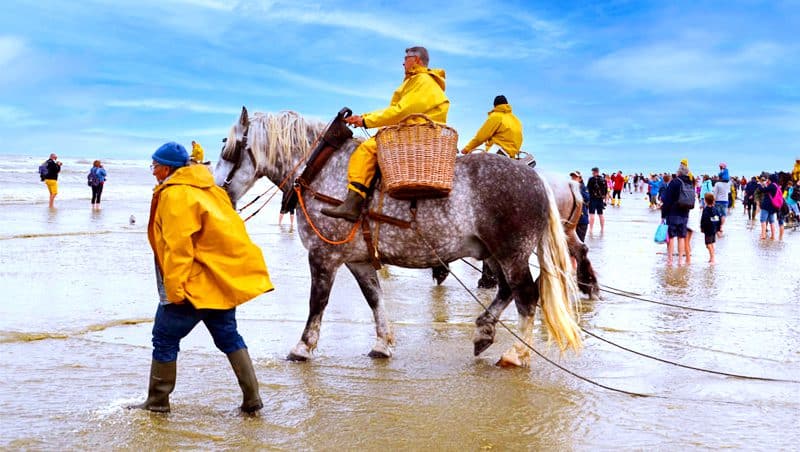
201	244
422	91
502	128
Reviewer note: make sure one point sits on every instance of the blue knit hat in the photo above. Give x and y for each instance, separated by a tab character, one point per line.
171	154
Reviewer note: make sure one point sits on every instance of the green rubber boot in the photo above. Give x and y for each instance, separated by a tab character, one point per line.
349	210
162	382
243	368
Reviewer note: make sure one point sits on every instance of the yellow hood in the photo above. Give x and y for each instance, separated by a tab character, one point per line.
502	128
201	244
422	91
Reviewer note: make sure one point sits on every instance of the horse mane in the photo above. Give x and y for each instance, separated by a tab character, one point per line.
276	139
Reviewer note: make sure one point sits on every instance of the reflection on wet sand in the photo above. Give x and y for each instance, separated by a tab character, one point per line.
76	336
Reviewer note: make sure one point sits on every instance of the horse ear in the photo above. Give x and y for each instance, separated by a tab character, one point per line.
243	119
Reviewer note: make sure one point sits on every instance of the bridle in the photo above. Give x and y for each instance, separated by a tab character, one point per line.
236	156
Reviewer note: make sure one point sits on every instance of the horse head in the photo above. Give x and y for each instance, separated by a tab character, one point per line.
236	169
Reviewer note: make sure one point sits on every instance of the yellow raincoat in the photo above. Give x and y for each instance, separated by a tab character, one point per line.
197	153
422	91
201	245
502	128
796	171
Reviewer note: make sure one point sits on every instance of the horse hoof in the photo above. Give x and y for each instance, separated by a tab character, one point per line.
487	283
299	353
380	351
510	359
508	362
296	358
481	345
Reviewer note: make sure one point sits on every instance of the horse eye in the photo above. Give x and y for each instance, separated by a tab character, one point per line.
224	140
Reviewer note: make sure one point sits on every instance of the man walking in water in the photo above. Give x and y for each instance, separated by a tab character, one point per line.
422	91
206	265
597	195
502	128
51	177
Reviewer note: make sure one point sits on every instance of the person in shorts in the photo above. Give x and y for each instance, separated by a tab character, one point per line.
597	194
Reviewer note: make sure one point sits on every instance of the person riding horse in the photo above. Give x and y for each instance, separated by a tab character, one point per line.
422	91
502	128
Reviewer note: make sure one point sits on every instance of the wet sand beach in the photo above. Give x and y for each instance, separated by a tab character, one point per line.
79	297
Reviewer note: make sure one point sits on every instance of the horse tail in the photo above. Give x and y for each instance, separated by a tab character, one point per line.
558	292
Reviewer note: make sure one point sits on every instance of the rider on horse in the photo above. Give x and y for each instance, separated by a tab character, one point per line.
422	91
502	128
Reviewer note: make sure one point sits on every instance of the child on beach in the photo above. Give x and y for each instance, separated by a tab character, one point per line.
709	224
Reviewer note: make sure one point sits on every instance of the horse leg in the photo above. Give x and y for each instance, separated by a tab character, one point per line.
526	296
367	279
322	275
488	278
485	324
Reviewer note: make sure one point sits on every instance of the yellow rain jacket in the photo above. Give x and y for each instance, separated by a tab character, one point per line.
422	91
201	245
197	153
502	128
796	172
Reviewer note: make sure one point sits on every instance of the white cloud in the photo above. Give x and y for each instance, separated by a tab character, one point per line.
10	48
669	67
678	138
172	104
12	117
450	31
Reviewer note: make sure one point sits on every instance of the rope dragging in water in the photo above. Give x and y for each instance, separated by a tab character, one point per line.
655	358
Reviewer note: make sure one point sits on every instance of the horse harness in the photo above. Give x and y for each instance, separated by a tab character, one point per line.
236	156
332	138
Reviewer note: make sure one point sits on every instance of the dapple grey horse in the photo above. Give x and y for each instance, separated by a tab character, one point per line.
498	211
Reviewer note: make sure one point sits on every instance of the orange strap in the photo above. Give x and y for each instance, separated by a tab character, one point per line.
349	237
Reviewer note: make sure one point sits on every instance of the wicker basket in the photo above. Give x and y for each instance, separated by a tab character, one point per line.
417	160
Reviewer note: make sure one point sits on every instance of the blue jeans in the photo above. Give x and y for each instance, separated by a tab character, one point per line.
767	217
175	321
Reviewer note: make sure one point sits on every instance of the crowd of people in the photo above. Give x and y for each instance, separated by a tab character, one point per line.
773	198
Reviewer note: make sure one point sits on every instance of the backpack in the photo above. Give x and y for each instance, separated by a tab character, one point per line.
92	179
795	194
777	200
43	170
686	196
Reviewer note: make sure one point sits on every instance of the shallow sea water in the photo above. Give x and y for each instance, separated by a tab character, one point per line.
79	297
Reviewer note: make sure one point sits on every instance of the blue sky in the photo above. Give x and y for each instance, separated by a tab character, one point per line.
623	85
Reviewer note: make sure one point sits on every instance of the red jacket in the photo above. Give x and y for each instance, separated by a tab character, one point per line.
619	181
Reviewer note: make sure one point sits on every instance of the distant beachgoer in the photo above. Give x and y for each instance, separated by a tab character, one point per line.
618	184
583	222
768	210
97	179
793	198
198	155
750	198
654	184
709	224
502	128
677	215
706	187
50	177
290	211
721	192
724	174
597	195
206	265
796	170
